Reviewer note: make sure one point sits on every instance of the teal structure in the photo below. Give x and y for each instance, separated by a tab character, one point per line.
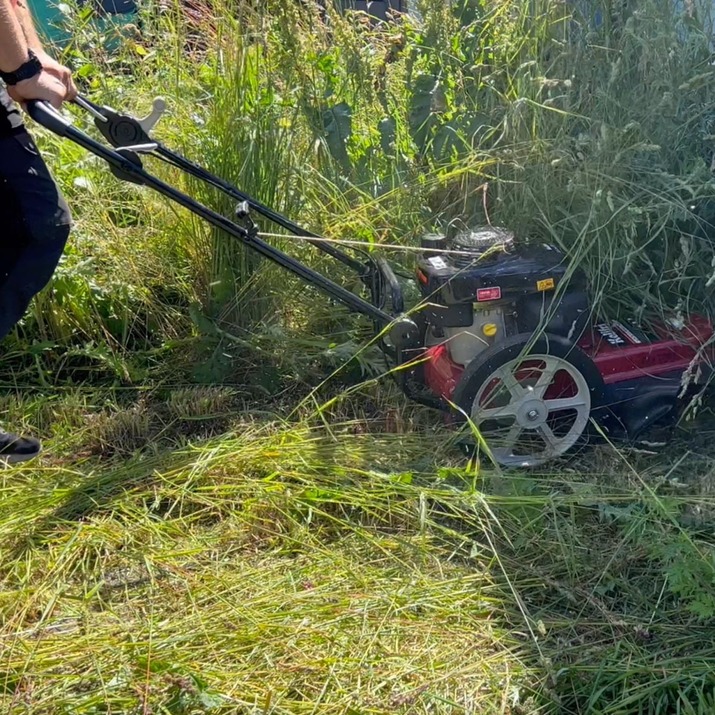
53	18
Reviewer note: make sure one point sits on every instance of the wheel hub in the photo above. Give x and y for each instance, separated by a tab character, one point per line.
531	414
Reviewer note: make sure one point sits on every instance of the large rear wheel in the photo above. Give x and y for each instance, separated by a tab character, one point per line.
530	398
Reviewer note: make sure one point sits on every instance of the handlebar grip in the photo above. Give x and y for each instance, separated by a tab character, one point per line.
47	116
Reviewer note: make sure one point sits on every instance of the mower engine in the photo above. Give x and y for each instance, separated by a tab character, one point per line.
480	289
511	342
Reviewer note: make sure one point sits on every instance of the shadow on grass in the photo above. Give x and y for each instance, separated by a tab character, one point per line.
221	469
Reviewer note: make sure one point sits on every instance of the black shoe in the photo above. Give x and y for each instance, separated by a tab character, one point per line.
14	449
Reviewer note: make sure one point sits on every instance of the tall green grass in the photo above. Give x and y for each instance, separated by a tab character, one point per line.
340	562
594	137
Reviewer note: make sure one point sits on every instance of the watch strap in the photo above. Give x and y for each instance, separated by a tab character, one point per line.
27	70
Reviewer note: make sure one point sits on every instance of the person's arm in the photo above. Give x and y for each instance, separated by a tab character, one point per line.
14	53
13	45
24	16
27	24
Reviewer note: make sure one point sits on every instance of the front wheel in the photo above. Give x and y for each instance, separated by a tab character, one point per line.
530	398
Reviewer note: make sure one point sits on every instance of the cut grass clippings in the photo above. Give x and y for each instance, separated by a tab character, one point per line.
278	571
287	569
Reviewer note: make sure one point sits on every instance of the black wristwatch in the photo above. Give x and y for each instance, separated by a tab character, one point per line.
29	69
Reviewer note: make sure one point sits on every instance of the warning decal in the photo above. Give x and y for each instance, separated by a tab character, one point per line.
546	284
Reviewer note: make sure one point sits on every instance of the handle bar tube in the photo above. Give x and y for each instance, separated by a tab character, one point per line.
200	173
51	119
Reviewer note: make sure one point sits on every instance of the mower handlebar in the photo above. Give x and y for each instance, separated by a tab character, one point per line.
47	116
130	138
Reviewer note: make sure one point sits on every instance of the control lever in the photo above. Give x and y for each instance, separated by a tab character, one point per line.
123	130
142	148
89	107
150	121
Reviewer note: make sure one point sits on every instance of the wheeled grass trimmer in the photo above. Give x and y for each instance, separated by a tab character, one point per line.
503	341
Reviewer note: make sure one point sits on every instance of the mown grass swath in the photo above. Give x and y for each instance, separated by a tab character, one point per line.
293	537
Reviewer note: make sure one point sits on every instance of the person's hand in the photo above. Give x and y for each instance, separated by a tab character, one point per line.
42	86
62	73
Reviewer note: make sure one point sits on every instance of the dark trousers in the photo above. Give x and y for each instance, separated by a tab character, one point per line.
34	226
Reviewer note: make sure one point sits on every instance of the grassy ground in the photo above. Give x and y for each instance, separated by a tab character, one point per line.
234	513
287	568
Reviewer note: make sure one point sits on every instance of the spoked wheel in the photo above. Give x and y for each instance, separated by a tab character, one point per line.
531	400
